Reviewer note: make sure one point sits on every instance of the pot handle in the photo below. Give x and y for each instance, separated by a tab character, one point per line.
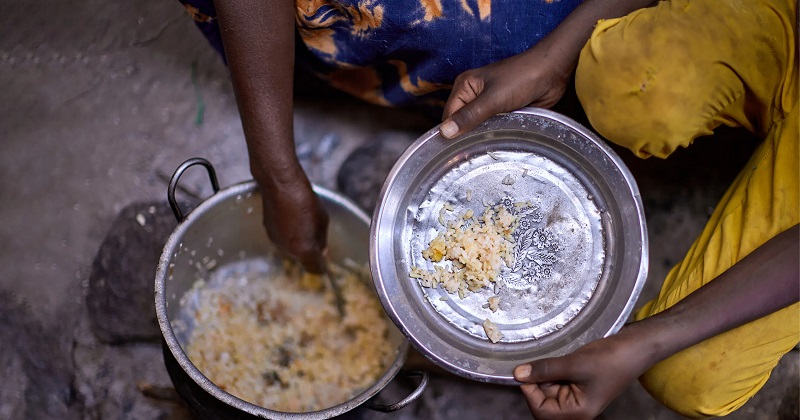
173	183
405	401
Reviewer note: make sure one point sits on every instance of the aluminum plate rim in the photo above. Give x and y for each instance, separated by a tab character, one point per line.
380	214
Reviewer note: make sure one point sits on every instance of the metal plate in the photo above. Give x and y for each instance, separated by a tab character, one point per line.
580	245
559	243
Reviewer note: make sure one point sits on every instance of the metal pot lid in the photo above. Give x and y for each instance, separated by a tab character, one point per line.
578	250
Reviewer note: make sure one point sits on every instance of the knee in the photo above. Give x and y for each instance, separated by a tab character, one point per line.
616	93
638	96
617	116
694	386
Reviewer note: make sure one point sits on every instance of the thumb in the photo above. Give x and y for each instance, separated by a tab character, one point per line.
545	370
468	116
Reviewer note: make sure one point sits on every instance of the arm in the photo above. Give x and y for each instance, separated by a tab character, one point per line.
259	45
537	76
583	383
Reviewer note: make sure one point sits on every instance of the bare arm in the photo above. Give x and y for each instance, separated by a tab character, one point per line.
581	385
258	36
535	77
763	282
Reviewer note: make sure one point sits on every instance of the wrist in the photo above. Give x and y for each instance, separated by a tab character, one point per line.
647	341
560	61
278	176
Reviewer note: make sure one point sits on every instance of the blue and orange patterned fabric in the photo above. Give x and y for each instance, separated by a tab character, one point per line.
407	52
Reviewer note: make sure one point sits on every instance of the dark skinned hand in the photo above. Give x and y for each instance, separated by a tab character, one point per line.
580	385
531	78
297	223
259	45
536	77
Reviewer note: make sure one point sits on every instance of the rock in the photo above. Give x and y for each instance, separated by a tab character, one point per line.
363	172
119	300
122	381
790	404
37	371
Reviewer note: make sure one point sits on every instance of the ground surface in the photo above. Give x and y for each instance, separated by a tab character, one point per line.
100	103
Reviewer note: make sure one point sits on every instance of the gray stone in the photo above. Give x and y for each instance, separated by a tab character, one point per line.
120	294
790	404
122	381
37	375
362	174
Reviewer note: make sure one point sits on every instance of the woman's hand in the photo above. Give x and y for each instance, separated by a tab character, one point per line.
259	44
296	222
531	78
535	77
580	385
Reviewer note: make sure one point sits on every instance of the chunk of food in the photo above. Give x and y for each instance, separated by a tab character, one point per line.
494	303
491	330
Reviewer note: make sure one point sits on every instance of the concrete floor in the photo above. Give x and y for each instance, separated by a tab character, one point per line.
99	105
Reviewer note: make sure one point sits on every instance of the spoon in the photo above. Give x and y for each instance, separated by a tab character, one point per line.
337	292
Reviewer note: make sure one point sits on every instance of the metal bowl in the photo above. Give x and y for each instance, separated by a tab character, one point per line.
224	231
580	244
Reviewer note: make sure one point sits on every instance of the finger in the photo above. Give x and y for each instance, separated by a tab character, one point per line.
541	406
533	395
559	402
454	103
564	396
311	250
308	254
469	116
550	390
545	370
464	91
469	104
575	396
315	257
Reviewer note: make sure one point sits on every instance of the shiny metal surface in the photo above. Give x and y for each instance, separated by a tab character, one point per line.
225	233
580	246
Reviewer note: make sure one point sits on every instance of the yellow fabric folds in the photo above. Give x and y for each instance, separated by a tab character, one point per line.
659	78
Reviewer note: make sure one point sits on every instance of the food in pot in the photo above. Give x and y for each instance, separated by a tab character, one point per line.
509	180
276	339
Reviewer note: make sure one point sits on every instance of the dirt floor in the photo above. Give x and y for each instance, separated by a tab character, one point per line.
101	101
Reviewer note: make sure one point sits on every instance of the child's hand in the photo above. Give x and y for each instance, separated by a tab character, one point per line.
582	384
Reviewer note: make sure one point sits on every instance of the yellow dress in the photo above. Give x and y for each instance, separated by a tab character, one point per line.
656	80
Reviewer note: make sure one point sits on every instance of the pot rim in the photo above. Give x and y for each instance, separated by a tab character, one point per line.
174	242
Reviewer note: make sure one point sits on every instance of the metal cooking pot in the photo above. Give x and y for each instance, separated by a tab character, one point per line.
226	228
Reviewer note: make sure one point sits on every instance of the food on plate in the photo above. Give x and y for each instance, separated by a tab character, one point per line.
494	303
475	248
491	330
